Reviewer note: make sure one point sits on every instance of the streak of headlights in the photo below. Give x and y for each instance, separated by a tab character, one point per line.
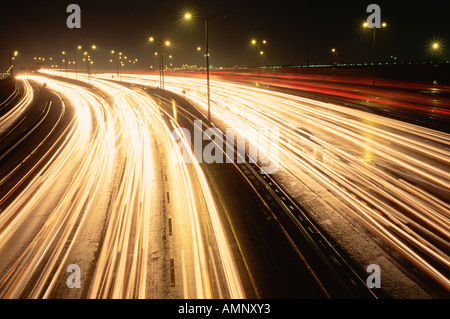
139	120
142	115
391	175
88	137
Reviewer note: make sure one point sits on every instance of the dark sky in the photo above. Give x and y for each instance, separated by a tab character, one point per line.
296	31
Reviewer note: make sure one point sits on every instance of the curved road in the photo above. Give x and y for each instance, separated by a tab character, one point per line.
115	201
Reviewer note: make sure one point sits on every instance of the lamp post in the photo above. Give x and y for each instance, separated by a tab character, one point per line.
333	56
161	45
366	25
436	50
88	61
65	61
118	56
259	52
76	71
12	56
199	49
188	16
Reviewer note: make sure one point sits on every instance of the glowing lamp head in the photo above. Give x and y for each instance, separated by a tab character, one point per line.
187	15
151	39
435	45
167	43
253	41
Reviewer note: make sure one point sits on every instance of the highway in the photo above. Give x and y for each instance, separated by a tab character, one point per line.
388	176
106	185
120	190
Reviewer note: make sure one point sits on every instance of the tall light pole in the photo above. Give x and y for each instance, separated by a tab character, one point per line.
259	52
199	49
76	70
436	50
188	16
333	56
161	45
88	62
12	56
366	25
65	61
118	56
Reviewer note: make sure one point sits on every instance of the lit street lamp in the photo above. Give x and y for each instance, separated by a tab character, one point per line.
366	25
65	60
88	62
12	56
436	49
118	56
161	46
259	52
188	16
333	56
76	71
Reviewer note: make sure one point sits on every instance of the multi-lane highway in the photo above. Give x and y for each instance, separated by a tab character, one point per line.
108	201
389	177
97	178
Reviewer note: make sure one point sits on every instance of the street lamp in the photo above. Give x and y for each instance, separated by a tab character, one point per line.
79	47
333	56
161	45
88	62
259	52
12	56
94	47
366	25
118	56
436	48
206	19
65	60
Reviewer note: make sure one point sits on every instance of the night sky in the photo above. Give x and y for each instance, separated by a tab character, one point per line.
297	32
